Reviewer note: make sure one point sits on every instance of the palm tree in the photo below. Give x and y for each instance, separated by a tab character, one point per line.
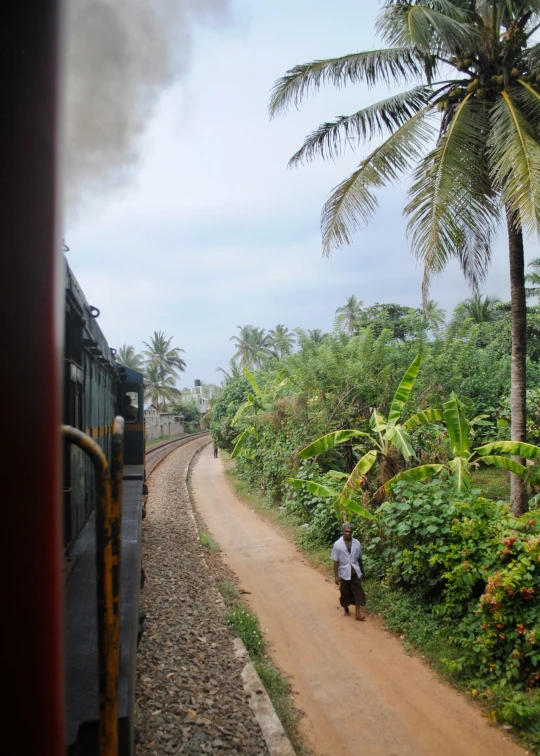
234	371
476	95
315	335
350	314
281	340
434	315
160	353
128	357
478	308
252	344
159	387
533	278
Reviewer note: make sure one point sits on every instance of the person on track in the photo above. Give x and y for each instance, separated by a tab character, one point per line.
349	571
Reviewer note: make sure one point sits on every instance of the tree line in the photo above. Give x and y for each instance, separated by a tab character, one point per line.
254	345
160	363
468	129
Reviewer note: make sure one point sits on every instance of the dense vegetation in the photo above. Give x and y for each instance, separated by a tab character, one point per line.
456	554
468	131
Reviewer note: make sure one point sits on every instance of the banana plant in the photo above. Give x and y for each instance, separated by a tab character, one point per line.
387	432
261	399
342	503
463	461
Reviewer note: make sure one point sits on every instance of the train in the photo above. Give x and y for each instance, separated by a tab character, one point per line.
97	390
71	574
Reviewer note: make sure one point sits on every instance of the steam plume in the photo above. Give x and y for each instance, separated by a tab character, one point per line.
121	55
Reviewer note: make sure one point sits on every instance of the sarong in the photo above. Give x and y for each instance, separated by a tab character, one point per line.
351	591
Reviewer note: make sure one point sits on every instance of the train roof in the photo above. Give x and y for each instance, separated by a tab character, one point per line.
95	341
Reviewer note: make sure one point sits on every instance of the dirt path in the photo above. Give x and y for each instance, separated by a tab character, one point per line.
362	695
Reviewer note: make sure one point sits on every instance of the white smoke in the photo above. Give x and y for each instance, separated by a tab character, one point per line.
121	55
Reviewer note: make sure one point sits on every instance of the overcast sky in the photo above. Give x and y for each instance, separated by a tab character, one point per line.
214	232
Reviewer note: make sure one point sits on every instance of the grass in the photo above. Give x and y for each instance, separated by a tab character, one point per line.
160	440
246	626
493	482
207	541
229	592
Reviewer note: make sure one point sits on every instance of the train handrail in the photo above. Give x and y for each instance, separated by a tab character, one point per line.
108	491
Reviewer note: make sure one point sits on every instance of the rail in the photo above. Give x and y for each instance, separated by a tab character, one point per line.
155	455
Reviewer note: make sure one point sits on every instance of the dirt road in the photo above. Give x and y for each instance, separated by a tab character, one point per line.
361	694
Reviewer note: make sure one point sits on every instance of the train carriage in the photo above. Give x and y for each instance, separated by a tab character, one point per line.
96	389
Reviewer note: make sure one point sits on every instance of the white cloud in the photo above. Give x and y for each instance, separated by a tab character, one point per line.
215	232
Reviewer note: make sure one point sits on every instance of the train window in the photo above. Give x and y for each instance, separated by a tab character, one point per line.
130	408
73	349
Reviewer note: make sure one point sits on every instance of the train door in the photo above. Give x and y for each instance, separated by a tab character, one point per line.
73	412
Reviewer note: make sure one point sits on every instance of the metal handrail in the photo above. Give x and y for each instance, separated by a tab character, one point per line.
108	542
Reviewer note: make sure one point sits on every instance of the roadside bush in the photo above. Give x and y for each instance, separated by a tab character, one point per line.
232	397
476	566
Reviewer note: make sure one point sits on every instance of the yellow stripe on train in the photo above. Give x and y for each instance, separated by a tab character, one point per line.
96	433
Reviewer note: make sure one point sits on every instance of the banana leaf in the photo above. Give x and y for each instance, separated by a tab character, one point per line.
458	428
357	477
422	418
338	510
240	411
336	474
404	390
317	489
324	443
241	440
377	422
515	448
253	382
507	463
296	482
460	473
414	475
352	506
535	500
401	440
280	380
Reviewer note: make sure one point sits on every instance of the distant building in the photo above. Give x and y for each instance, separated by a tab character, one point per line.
159	424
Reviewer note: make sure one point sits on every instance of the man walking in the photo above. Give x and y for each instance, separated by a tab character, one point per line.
349	571
215	451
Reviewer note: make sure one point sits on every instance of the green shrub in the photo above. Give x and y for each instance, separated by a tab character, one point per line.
229	592
476	567
208	541
247	627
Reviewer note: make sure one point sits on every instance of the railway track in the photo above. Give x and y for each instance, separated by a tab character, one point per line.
157	454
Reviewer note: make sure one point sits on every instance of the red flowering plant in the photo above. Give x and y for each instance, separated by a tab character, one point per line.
501	639
476	567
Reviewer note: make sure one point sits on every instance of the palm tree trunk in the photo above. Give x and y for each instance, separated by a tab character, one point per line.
518	487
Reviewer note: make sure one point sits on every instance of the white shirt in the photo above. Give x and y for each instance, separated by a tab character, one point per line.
346	560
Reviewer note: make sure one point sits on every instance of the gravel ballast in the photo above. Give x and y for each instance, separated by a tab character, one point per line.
190	694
